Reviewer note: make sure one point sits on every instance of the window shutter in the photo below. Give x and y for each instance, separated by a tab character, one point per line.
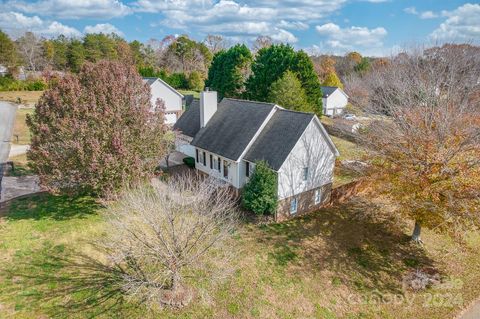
247	169
204	159
219	168
211	161
196	153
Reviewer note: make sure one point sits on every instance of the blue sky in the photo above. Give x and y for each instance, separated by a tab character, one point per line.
372	27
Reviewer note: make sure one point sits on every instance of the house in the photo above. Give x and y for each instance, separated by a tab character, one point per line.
172	98
3	70
334	100
228	138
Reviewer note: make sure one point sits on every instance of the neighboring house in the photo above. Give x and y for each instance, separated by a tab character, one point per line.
228	138
172	98
3	70
334	100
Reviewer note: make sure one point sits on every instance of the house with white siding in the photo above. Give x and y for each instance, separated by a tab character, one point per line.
334	100
172	98
228	138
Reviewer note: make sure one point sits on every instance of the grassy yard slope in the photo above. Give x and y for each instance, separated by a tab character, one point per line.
20	128
25	97
320	266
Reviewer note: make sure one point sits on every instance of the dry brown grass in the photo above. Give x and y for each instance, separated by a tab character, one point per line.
21	132
25	97
317	266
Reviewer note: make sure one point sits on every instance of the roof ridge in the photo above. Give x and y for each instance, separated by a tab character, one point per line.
249	101
294	111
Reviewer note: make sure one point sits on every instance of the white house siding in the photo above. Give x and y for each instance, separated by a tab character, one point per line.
242	172
173	100
182	145
335	103
232	171
313	151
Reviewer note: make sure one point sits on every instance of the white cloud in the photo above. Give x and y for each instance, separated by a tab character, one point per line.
105	28
423	15
71	9
462	24
292	25
411	10
242	19
16	23
428	15
341	40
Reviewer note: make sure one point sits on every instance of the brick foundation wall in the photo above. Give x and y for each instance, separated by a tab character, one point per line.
305	203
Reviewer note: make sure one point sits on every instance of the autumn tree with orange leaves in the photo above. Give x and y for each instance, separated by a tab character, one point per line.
425	148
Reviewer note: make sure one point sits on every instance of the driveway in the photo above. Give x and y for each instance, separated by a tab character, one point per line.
16	150
13	186
176	158
473	312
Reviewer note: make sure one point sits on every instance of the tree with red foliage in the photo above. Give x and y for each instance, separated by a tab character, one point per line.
96	132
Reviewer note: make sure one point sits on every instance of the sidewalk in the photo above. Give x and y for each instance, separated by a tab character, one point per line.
16	150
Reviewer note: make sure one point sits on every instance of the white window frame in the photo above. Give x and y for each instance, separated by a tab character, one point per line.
305	173
317	196
293	208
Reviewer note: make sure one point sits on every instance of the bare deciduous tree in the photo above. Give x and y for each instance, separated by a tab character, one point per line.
261	42
426	148
31	50
215	43
165	235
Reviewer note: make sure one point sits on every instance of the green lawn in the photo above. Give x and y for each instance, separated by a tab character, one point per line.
194	93
312	267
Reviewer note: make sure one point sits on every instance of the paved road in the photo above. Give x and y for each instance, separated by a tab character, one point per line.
18	186
7	119
17	150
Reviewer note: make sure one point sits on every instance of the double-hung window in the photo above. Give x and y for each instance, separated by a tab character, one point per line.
225	169
318	196
196	156
247	169
204	159
305	173
211	161
293	206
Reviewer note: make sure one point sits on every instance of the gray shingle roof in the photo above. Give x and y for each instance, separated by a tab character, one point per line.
232	127
149	80
189	122
327	90
279	137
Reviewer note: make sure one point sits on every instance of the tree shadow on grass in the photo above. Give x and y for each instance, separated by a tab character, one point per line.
48	206
67	284
358	246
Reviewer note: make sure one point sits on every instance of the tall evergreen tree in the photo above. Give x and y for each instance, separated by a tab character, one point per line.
228	71
270	65
288	93
8	51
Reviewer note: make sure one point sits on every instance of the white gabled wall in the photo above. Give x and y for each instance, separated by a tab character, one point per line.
173	101
313	151
335	103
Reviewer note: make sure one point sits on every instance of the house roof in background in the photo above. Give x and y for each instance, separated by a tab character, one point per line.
232	127
189	122
151	80
328	90
279	137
